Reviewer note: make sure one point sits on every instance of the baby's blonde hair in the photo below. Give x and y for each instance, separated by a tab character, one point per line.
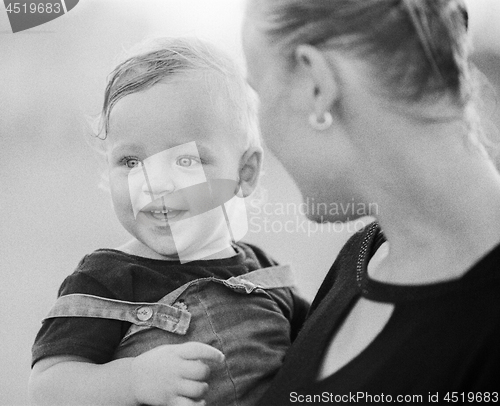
163	58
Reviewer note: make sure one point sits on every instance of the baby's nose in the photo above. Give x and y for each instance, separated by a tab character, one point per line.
158	184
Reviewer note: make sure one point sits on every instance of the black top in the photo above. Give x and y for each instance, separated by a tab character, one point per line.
440	338
116	275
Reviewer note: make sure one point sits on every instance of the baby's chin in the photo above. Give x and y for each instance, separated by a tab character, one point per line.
166	252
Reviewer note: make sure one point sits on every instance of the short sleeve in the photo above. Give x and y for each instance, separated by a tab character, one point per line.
93	338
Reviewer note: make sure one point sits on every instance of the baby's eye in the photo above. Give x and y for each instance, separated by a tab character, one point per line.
131	162
186	161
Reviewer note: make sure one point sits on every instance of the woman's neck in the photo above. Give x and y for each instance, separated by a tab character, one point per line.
438	201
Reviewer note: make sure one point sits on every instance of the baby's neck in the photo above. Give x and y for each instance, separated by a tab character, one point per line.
225	253
137	248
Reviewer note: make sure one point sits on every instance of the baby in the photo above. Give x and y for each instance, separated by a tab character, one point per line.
182	314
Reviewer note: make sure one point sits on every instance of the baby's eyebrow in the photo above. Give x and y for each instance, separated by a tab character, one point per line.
122	149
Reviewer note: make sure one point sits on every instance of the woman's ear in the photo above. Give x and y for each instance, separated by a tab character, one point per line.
322	88
250	165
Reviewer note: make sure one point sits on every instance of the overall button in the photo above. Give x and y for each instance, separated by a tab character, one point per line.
144	313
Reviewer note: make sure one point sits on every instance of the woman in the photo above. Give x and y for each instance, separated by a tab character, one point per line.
369	103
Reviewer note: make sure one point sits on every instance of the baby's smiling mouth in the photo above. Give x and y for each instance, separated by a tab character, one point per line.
161	209
165	214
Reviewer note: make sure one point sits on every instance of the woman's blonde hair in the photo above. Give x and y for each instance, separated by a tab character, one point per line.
418	47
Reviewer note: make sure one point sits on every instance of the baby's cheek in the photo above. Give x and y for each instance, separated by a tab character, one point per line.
120	194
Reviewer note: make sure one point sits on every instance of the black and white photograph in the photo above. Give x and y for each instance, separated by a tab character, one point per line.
249	202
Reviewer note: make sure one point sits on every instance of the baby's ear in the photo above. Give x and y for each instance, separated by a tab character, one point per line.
250	165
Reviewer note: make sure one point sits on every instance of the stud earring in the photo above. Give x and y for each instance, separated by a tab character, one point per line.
322	125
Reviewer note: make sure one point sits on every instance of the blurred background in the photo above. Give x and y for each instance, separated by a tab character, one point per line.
52	212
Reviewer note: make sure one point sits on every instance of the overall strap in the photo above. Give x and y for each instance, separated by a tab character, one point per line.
159	315
272	277
163	314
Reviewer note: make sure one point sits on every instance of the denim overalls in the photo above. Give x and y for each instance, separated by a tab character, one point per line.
246	317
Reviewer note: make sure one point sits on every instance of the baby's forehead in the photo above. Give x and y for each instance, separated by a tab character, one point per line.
172	101
205	94
209	80
177	112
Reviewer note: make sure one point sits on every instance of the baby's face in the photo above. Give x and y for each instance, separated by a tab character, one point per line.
168	149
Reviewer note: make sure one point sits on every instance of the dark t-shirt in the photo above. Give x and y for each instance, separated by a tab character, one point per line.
116	275
441	337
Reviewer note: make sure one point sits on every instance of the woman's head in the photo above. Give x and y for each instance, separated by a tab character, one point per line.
416	48
365	62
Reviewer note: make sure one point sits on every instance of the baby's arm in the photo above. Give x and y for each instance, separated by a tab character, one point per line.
166	375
